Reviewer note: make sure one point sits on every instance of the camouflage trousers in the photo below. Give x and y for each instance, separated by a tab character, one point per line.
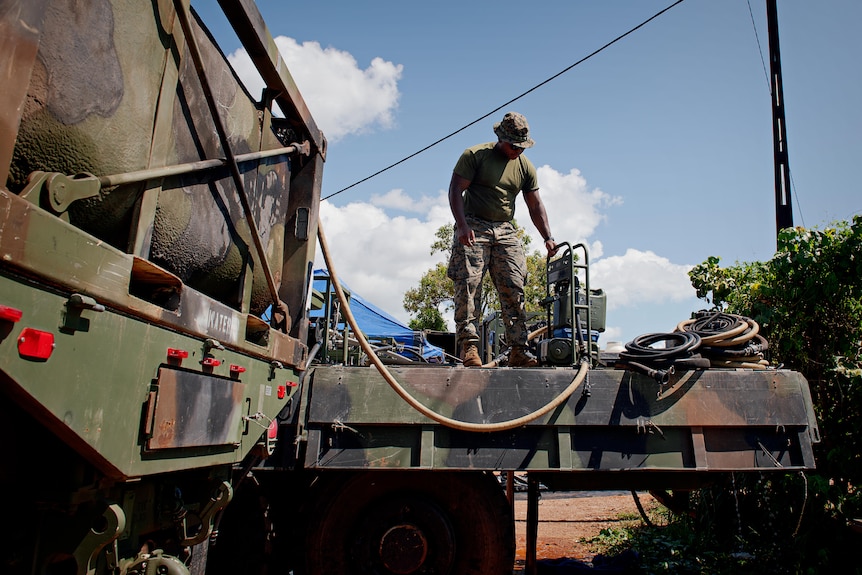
499	251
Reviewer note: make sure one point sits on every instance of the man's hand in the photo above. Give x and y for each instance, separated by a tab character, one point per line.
457	186
466	236
551	246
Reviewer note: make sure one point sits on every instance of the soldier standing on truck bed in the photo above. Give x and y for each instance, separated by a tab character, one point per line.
485	182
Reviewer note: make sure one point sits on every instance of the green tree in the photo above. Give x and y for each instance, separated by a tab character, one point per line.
808	302
435	289
423	302
429	318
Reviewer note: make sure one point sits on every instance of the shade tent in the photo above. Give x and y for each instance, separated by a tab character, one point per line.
376	324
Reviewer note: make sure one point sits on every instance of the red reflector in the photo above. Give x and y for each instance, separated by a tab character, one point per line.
211	361
180	353
291	384
272	430
282	391
237	368
10	313
35	344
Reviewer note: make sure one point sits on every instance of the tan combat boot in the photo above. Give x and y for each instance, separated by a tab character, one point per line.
470	355
520	357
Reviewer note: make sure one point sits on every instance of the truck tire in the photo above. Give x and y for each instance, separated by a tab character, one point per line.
411	522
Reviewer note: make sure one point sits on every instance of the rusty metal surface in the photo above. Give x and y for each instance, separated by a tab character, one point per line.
304	199
191	409
200	231
254	34
145	109
713	420
618	397
21	24
39	245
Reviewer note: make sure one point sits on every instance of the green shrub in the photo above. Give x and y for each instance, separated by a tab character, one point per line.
808	302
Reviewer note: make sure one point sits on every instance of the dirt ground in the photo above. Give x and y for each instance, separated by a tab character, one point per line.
567	521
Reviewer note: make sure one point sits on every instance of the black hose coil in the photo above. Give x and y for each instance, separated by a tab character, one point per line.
659	362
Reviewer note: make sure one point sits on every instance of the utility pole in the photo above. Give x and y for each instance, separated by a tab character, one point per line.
783	208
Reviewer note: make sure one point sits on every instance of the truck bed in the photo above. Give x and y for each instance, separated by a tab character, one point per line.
702	421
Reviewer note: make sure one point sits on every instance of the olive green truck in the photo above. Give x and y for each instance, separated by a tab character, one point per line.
162	401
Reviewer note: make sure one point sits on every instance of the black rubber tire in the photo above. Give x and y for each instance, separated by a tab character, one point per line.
410	522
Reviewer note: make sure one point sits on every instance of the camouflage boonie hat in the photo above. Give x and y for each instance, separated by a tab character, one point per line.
514	130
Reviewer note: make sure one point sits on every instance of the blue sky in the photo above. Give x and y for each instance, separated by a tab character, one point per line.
657	152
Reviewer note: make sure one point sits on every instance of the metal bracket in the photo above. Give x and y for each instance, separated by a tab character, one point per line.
303	148
646	426
274	364
72	319
93	543
207	516
81	301
211	344
55	191
64	190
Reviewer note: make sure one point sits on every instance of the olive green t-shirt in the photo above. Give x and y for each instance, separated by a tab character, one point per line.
495	181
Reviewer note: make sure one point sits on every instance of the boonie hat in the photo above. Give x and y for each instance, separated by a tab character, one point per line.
514	130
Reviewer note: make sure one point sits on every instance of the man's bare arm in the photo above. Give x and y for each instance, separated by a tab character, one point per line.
457	185
540	219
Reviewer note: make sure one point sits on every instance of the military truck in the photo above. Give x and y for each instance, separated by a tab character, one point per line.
162	407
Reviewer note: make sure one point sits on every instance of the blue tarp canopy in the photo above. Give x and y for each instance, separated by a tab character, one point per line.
377	324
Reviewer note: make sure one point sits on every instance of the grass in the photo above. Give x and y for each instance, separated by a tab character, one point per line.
670	545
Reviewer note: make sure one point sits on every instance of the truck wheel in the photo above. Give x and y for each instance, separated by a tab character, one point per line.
411	522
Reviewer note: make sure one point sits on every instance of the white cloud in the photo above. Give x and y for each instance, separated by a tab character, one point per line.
381	255
378	255
638	277
398	200
646	293
574	211
343	98
612	334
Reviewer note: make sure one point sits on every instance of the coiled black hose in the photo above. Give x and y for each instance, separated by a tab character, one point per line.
659	363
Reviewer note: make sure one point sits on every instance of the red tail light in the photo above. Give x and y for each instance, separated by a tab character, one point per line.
35	344
10	313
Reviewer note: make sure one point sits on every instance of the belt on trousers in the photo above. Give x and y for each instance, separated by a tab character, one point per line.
484	221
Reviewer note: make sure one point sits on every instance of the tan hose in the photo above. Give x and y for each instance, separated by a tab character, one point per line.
537	333
727	338
530	337
742	337
405	395
739	335
761	364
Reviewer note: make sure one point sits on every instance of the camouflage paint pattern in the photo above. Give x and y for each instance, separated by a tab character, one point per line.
499	252
119	120
181	267
153	374
712	420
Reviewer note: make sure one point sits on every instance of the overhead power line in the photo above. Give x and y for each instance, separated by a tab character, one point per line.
503	105
759	47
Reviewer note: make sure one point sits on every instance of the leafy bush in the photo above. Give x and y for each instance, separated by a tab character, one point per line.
808	302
